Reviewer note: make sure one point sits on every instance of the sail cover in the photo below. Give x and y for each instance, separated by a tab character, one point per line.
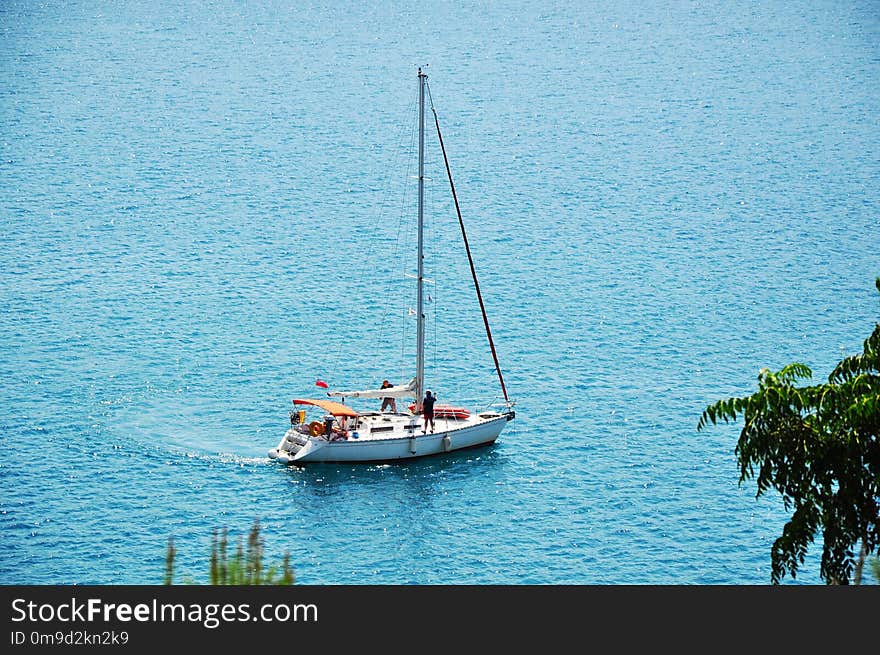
400	391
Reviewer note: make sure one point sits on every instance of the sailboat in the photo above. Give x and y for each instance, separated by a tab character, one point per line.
343	434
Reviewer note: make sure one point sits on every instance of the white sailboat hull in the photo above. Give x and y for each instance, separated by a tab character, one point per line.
408	444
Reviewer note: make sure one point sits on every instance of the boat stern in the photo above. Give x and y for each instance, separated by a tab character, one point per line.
307	452
290	445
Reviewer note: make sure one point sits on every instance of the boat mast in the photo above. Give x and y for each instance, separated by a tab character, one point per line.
420	313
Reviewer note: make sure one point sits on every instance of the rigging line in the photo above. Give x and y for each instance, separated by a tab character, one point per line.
399	150
384	202
430	259
468	249
401	236
394	256
406	238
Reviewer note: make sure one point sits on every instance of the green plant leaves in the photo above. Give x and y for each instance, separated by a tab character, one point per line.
818	446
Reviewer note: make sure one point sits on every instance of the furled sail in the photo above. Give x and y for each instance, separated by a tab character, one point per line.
400	391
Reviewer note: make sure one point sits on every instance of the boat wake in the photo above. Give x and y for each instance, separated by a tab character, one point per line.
187	428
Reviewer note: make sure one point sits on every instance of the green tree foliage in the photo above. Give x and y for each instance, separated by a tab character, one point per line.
245	567
818	446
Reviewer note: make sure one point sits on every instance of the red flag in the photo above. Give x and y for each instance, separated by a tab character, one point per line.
322	384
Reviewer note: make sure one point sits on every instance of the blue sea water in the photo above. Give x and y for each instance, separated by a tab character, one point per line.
203	210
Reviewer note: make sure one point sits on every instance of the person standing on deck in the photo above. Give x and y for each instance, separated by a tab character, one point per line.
388	402
428	410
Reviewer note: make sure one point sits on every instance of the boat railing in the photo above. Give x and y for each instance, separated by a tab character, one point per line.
482	404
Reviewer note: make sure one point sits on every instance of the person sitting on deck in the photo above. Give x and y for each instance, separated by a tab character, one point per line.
388	402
